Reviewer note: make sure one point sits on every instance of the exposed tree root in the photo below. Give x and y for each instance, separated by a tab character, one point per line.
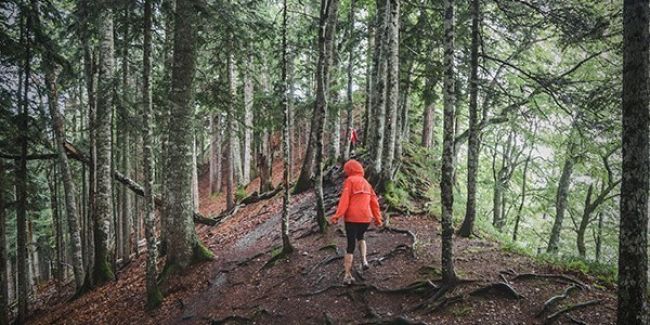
282	254
437	296
325	261
398	249
312	231
553	317
404	231
563	277
399	320
574	320
501	288
328	319
555	299
231	318
447	301
325	289
416	287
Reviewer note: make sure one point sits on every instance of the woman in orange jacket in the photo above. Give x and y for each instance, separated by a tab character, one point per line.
358	206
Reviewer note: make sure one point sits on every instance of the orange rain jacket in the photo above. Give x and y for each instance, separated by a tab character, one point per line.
358	202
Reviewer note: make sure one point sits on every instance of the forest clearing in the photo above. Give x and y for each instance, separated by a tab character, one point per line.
220	162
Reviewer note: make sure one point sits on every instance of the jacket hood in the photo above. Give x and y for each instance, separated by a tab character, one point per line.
353	167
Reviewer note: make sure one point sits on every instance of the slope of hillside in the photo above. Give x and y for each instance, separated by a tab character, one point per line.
306	288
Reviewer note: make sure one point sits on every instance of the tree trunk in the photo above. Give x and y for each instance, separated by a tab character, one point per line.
473	146
286	135
216	126
154	298
4	275
195	175
429	111
633	239
349	122
184	246
126	216
369	81
264	162
326	34
56	225
230	135
51	73
89	76
446	182
561	198
379	86
599	235
248	120
523	196
21	178
104	203
584	222
392	93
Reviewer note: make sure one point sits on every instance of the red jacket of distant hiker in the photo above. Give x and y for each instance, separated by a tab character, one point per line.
358	202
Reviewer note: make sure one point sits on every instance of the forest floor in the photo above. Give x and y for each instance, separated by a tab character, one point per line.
306	287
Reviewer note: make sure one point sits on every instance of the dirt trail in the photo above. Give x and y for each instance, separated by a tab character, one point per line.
305	288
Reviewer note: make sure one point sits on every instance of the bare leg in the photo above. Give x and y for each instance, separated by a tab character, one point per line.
347	264
363	250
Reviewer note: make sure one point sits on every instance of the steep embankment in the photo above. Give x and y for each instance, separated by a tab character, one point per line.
305	288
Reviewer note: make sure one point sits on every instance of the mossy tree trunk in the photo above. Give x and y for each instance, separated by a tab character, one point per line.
184	247
447	172
102	271
154	298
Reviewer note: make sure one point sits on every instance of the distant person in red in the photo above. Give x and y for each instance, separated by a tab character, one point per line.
353	139
358	206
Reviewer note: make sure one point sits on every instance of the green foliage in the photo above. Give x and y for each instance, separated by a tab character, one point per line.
240	193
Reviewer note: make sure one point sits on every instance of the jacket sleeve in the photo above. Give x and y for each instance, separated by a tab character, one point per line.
374	206
344	200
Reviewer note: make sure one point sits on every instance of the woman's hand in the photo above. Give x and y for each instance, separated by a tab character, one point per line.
334	220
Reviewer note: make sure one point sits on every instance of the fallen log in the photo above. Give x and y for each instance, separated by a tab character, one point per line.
256	197
136	188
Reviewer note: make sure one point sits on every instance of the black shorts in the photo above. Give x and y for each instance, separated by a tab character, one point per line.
354	231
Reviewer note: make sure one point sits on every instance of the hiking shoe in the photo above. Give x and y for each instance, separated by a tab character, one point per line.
348	279
365	266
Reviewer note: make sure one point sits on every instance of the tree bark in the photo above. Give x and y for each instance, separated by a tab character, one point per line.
286	136
633	239
446	182
328	13
126	215
216	126
4	275
195	175
473	146
349	121
392	93
379	86
429	111
21	176
248	120
230	135
561	198
369	81
102	270
184	246
68	181
154	298
524	182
